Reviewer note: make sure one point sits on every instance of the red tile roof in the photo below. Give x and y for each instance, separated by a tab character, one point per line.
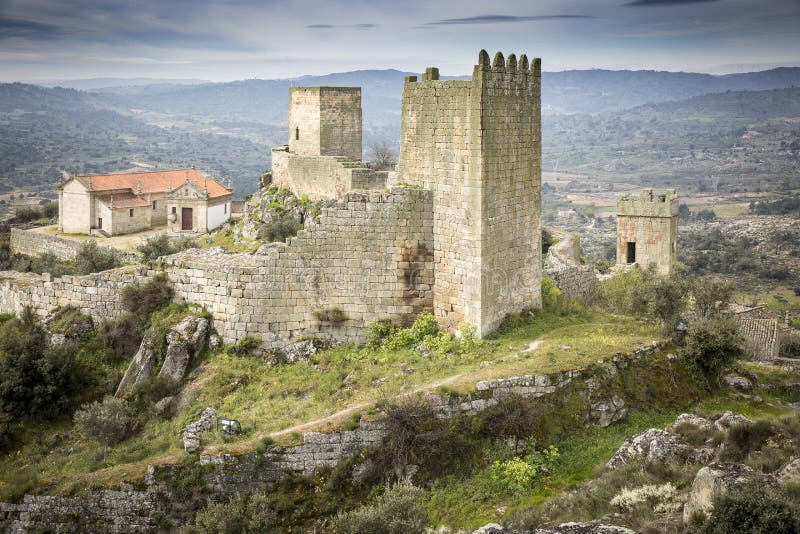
154	182
125	200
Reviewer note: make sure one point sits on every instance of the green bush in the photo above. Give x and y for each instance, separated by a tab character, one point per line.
50	210
25	214
106	421
625	293
143	300
162	245
755	509
712	345
424	325
397	511
36	379
743	439
243	513
379	330
517	475
280	228
246	346
790	347
92	258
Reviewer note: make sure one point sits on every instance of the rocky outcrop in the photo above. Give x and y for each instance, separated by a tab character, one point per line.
729	419
695	420
738	382
790	472
141	366
193	431
656	445
607	412
717	479
303	350
184	341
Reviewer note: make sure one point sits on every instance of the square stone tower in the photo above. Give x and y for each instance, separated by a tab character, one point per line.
325	121
647	229
477	145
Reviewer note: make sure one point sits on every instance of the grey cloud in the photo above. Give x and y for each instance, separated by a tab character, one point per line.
10	28
649	3
351	26
493	19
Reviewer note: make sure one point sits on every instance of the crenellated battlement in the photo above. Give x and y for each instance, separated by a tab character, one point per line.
511	73
647	204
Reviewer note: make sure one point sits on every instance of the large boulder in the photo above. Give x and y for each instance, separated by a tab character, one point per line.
606	412
790	472
304	349
656	445
193	431
695	420
729	419
184	341
141	366
717	479
738	382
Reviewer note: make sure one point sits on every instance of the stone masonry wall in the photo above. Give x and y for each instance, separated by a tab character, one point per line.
370	258
31	243
131	511
323	177
578	281
477	145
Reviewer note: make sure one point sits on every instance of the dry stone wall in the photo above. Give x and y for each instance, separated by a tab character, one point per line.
223	475
369	258
31	243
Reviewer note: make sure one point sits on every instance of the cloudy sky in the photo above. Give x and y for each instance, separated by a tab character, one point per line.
237	39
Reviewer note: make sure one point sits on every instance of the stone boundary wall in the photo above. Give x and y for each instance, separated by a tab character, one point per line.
100	511
135	511
369	258
578	282
30	243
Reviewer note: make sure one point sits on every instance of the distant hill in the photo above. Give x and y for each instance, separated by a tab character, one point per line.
92	84
588	91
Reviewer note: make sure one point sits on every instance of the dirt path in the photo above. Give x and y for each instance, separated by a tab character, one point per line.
350	410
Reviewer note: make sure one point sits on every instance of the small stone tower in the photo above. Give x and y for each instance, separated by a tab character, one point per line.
647	229
325	121
477	145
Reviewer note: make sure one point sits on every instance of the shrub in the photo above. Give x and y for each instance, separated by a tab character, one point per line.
711	347
92	258
706	293
625	293
105	421
790	347
245	346
50	210
743	439
143	300
379	330
424	325
280	228
163	245
243	513
35	379
655	498
754	509
397	511
517	475
25	214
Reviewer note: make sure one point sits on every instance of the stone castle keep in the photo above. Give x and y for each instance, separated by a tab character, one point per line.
458	231
647	229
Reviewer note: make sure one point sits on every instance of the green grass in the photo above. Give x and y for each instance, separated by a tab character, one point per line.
267	399
224	238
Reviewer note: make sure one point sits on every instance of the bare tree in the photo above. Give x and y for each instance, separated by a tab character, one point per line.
382	155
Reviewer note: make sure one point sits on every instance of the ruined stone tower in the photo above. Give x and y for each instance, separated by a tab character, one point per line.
647	229
477	145
325	121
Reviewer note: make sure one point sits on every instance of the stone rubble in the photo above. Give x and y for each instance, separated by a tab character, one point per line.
193	431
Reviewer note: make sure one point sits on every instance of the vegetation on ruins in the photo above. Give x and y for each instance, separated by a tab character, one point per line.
246	513
398	510
163	245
